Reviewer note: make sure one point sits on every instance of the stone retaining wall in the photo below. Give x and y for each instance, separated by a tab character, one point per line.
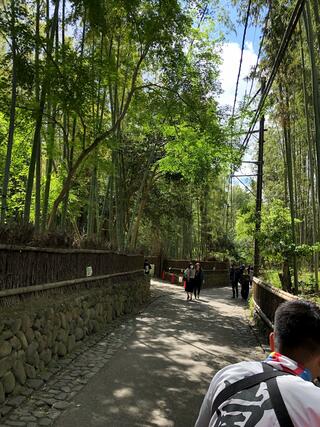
40	330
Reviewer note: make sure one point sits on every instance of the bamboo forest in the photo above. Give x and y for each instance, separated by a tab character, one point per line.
113	134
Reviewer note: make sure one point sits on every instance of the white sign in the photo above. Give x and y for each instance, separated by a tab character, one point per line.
89	271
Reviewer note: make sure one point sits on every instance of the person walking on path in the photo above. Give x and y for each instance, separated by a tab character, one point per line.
232	279
278	391
235	275
244	282
250	273
198	280
189	276
147	266
237	278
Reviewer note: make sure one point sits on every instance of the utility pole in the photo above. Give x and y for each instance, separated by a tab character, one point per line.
259	190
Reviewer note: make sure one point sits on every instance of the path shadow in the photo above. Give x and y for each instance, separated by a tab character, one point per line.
160	377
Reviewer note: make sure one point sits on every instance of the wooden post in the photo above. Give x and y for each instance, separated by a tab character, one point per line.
259	191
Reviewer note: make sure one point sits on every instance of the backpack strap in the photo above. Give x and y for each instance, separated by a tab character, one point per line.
278	404
248	382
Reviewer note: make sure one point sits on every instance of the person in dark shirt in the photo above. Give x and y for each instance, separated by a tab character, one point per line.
198	281
146	266
244	282
190	275
235	274
237	278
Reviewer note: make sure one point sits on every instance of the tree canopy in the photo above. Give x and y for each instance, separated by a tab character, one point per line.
111	131
106	107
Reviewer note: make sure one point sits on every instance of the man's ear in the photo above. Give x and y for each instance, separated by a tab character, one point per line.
271	341
314	366
317	375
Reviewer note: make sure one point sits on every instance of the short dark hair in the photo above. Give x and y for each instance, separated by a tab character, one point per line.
297	326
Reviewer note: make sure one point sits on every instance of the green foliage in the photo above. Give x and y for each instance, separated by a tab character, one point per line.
271	277
20	156
133	146
275	237
245	228
274	167
192	154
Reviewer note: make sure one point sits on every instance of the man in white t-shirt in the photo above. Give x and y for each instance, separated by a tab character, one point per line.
289	398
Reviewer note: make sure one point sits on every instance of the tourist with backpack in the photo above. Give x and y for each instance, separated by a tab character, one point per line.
278	391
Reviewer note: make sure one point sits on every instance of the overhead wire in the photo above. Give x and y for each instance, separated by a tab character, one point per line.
260	50
256	65
254	71
241	56
280	55
247	78
202	16
253	98
237	84
245	186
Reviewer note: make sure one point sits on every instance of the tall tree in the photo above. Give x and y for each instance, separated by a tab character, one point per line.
39	115
6	176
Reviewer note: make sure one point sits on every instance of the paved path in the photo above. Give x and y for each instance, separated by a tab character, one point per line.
147	370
